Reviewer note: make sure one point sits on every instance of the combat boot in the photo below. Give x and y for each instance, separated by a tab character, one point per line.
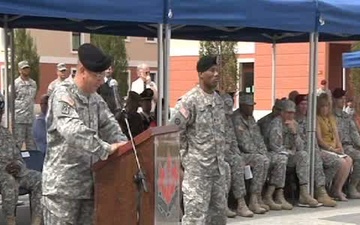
305	198
323	197
262	204
37	220
11	220
268	199
280	199
353	192
254	205
230	213
242	209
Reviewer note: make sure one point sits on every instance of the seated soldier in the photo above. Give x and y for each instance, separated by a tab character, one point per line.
284	139
146	114
14	174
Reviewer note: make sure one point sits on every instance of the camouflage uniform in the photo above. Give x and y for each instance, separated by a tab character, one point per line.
282	141
9	185
200	117
252	148
264	122
326	164
350	139
80	130
25	92
53	85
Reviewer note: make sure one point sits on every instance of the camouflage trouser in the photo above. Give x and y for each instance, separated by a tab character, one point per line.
204	200
62	211
300	161
355	155
277	170
23	133
259	167
319	175
227	178
331	164
237	171
9	187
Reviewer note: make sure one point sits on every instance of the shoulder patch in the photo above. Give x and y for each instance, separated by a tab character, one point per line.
184	112
68	100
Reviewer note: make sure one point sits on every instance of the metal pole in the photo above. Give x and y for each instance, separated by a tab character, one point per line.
273	75
12	79
344	78
160	83
311	118
167	71
6	73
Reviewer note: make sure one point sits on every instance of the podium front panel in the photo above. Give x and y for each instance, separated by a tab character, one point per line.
167	179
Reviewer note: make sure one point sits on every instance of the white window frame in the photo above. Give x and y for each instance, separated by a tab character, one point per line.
82	41
127	39
150	41
129	80
156	75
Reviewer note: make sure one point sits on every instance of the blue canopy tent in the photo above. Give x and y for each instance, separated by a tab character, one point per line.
349	60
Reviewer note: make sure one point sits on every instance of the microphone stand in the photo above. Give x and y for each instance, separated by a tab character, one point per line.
139	178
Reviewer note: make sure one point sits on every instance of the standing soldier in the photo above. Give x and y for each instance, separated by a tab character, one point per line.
235	180
200	117
284	139
81	131
61	76
325	163
13	173
25	92
349	138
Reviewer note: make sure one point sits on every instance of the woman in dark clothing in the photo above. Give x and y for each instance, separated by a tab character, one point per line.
134	118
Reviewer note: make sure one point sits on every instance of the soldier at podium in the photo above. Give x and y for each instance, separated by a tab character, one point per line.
81	131
200	117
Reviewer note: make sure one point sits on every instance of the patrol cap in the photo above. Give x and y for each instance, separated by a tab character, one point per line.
61	67
147	94
93	59
278	104
338	93
246	99
23	64
299	98
205	62
288	106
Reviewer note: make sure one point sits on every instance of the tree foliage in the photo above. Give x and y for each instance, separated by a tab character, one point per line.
25	49
228	63
115	47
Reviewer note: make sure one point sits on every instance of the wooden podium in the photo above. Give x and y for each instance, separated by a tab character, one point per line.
116	192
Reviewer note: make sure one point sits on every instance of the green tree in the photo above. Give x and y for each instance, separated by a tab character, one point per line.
228	63
355	80
25	49
115	47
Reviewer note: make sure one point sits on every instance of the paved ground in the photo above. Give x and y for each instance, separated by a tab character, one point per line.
346	213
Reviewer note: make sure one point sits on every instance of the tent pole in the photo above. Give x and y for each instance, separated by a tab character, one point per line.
13	71
273	75
160	74
344	78
6	74
167	72
311	118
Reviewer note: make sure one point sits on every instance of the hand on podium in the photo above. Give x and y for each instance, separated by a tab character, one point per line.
116	146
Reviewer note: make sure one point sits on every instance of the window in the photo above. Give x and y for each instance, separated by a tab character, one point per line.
126	38
129	80
153	75
76	41
150	40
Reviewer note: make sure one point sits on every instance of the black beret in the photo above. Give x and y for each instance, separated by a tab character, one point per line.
93	59
299	98
147	94
338	93
206	62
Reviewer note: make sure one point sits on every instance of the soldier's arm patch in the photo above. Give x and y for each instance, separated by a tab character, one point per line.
184	112
65	108
68	100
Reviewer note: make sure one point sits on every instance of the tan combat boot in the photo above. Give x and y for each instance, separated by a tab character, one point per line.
324	198
11	220
242	209
261	203
353	192
268	199
230	213
280	199
305	198
254	205
37	220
